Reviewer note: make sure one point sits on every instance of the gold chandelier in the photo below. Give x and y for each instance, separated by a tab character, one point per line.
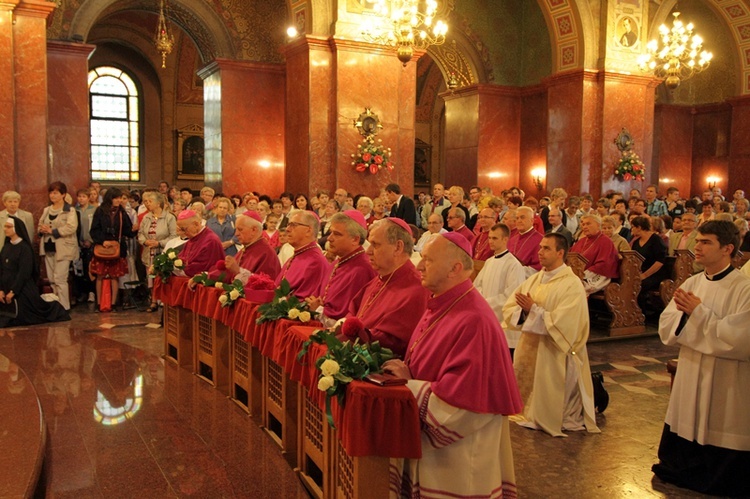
406	25
164	40
680	56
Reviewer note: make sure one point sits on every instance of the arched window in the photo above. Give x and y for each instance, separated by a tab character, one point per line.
115	128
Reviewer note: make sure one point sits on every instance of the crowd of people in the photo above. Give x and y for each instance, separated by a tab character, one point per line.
470	289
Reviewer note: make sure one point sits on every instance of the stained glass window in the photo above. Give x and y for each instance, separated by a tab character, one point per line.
115	130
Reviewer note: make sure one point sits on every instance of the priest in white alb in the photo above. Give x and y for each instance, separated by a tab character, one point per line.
551	361
705	445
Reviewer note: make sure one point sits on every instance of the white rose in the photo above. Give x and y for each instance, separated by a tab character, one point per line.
219	285
325	383
329	367
178	263
223	299
234	294
283	298
293	313
172	255
304	316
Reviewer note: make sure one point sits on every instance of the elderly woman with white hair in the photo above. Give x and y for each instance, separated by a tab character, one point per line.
12	201
365	206
157	228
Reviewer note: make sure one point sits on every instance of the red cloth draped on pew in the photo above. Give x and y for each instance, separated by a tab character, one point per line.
377	421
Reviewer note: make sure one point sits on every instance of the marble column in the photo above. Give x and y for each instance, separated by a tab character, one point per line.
7	91
68	118
330	83
244	126
565	98
30	89
482	136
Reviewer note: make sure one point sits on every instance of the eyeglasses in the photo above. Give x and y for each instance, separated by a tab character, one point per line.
292	225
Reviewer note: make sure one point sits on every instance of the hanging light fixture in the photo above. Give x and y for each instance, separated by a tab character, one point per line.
164	40
406	25
680	55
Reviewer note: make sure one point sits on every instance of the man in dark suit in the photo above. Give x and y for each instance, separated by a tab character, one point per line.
403	207
555	221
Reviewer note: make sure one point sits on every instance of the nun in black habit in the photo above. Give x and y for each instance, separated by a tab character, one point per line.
20	302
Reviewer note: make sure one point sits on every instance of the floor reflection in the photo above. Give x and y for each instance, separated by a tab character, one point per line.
121	423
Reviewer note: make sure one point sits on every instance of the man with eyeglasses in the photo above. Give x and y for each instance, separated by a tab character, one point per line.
434	227
307	267
457	223
480	246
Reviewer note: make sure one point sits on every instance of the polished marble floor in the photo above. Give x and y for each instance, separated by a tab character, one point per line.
123	423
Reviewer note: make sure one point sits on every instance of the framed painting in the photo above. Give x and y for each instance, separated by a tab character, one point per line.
190	153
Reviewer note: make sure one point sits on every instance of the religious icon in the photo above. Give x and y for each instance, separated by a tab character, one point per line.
627	32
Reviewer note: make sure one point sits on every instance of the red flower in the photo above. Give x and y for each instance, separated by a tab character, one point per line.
260	281
351	327
628	176
366	157
373	168
379	159
361	167
389	165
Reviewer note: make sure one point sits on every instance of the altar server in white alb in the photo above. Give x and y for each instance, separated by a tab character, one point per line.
705	445
501	275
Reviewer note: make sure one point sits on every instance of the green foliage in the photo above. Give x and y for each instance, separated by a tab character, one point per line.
284	306
165	263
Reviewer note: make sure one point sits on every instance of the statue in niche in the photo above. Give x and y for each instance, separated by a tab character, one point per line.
628	32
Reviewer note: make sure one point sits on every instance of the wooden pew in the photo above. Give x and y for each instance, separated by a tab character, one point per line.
478	265
621	298
740	259
682	268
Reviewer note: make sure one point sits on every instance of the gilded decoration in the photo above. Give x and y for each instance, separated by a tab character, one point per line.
453	61
241	19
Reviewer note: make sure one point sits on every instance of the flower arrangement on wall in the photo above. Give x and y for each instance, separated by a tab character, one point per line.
372	156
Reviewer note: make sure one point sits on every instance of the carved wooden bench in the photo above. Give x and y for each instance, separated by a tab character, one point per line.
621	298
740	259
682	268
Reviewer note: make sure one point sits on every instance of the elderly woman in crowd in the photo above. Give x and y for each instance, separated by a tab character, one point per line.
58	240
364	206
111	223
157	228
222	224
12	201
19	273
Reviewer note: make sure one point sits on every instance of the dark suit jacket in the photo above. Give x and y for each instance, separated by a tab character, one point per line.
405	210
565	232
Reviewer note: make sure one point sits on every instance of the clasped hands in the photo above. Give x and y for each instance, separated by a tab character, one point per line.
7	298
524	301
686	301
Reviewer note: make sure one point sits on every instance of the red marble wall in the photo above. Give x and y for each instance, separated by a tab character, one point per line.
673	144
533	144
30	85
499	137
244	126
68	116
592	147
713	125
738	173
628	102
7	121
564	127
461	137
372	77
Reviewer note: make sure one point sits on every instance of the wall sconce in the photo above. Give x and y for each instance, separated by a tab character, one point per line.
452	82
712	181
538	175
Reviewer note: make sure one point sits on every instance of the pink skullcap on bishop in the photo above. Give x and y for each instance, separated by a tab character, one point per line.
401	224
459	241
252	214
357	217
185	214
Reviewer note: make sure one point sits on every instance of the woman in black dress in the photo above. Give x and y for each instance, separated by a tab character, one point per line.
111	223
19	273
651	247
